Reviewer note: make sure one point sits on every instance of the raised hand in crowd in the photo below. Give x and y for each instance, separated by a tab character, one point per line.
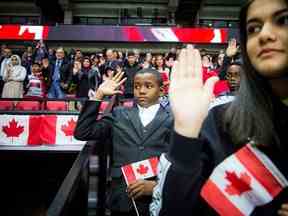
76	67
232	48
188	95
140	188
45	62
110	86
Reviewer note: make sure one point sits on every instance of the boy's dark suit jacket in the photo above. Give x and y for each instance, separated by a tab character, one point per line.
131	142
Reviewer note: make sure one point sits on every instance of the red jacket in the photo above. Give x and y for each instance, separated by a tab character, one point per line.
220	87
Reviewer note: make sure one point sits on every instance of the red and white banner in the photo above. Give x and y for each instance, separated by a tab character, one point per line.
140	170
117	33
23	32
243	181
38	129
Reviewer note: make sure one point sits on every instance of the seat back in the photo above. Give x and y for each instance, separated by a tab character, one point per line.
28	105
56	106
6	105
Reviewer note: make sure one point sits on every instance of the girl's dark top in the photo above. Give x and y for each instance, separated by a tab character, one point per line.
193	160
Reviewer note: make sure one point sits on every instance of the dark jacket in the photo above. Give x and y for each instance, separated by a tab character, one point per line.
130	71
64	73
193	160
131	142
82	82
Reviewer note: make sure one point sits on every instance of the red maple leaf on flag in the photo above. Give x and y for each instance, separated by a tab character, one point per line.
142	169
69	128
13	130
238	185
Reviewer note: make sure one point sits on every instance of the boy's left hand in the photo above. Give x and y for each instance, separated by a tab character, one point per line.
284	210
140	188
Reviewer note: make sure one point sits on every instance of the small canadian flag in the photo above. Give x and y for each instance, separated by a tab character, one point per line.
140	170
243	181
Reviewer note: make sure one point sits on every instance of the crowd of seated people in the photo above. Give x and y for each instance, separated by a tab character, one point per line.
43	72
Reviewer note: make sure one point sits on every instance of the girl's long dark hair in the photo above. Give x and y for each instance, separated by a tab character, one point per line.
251	115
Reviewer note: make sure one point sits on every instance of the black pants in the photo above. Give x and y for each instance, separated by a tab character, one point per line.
143	210
124	214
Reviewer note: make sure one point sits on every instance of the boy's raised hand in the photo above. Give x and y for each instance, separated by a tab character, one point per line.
110	86
188	95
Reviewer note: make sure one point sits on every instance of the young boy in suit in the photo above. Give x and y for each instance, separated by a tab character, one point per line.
137	133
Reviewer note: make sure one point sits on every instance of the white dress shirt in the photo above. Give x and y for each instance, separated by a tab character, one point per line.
148	114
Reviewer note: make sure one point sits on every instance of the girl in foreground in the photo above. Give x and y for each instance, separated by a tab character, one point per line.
259	114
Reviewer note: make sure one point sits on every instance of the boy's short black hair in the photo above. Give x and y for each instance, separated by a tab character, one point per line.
153	72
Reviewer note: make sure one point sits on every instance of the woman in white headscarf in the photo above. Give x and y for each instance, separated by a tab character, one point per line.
14	75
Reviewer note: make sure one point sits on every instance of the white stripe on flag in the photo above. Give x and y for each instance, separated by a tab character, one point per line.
217	36
64	130
269	165
14	130
247	201
164	34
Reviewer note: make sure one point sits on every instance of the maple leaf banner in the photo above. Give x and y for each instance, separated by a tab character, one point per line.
65	129
38	130
14	131
140	170
243	181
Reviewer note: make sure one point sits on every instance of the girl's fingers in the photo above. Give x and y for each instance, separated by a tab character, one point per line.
190	62
197	64
209	85
174	75
182	64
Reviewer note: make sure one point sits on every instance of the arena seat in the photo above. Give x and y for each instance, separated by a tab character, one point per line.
28	105
6	105
56	106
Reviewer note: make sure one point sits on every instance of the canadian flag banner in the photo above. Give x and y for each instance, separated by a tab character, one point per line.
17	130
243	181
38	130
140	170
65	129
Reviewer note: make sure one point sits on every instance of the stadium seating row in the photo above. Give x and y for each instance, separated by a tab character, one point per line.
48	106
33	106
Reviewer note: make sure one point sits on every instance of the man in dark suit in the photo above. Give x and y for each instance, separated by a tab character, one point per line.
136	133
58	76
130	68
